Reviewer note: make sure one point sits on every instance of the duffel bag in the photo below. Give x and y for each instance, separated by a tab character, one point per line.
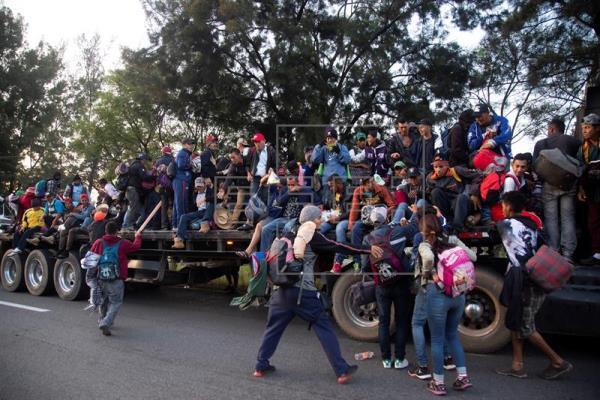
548	269
558	169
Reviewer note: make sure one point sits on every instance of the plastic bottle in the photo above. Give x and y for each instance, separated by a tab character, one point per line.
364	355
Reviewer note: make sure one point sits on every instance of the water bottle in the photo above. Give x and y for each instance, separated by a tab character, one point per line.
364	355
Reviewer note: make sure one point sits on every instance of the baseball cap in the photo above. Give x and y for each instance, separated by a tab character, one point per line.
331	132
211	138
399	165
166	150
480	109
413	172
84	197
258	137
188	141
199	182
425	121
141	156
591	119
360	136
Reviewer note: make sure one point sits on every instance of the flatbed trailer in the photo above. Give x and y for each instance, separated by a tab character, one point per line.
574	309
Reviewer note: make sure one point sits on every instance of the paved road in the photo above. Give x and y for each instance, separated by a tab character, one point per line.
188	344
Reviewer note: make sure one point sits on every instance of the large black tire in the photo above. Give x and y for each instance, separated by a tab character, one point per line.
11	272
358	323
38	272
69	278
482	329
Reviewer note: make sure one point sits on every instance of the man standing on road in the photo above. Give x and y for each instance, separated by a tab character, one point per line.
112	272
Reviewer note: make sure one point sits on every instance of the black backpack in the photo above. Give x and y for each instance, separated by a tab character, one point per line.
172	169
122	182
282	268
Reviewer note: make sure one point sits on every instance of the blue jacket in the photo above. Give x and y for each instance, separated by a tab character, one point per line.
184	165
501	141
333	162
58	208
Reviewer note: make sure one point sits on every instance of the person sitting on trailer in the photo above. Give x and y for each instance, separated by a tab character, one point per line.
54	210
80	217
205	209
32	222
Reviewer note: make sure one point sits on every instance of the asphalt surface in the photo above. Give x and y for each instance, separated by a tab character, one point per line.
173	343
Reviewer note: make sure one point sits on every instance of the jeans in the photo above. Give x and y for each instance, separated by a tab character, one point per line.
166	196
20	238
356	237
419	318
185	220
283	308
451	204
443	315
398	295
134	210
559	205
269	232
181	199
340	236
112	299
403	211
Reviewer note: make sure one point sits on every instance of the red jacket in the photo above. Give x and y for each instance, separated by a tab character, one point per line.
125	248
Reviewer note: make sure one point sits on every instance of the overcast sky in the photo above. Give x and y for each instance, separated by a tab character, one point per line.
59	22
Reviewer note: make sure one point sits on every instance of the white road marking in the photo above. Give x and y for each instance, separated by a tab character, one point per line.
6	303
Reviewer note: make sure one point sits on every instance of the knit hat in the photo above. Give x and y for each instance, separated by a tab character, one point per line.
309	213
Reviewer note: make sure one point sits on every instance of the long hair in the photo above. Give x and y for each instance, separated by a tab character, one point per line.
433	233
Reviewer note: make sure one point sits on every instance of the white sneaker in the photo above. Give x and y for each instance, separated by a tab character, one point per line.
400	364
16	251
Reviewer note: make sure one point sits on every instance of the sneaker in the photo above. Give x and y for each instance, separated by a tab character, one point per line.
400	364
419	372
346	376
462	383
17	251
260	373
515	373
438	389
105	330
337	268
245	227
553	372
449	363
387	363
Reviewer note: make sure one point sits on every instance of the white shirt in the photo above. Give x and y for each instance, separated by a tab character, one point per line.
201	201
261	167
111	191
510	185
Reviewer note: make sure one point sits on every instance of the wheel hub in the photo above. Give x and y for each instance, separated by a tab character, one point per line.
474	311
35	274
66	277
10	272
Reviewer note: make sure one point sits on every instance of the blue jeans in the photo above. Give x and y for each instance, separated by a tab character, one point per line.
398	295
559	218
181	189
419	318
185	220
283	308
340	236
403	211
112	299
443	315
269	232
134	207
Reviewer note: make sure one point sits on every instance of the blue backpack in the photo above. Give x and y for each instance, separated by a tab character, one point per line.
40	188
108	265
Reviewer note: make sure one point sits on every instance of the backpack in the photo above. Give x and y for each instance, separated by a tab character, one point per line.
456	270
172	169
282	268
122	168
122	182
558	169
256	209
40	188
108	265
392	262
492	186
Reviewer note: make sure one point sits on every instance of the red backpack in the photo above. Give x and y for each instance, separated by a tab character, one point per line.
492	186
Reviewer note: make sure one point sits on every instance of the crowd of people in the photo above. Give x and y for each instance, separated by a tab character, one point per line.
472	179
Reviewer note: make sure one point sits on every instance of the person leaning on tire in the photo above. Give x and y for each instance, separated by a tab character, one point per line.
304	300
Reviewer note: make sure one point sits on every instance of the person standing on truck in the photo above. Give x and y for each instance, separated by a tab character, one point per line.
182	180
165	188
284	305
135	192
75	190
112	272
520	236
589	185
261	159
234	178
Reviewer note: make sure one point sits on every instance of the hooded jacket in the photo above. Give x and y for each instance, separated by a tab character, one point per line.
501	141
429	145
125	247
377	157
334	162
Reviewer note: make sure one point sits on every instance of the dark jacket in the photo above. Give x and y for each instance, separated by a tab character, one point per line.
429	145
209	164
329	202
184	165
458	145
377	157
165	159
407	154
125	248
236	176
291	203
253	159
137	172
565	143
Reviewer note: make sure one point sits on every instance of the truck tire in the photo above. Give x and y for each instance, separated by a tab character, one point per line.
11	272
38	272
358	323
69	278
482	328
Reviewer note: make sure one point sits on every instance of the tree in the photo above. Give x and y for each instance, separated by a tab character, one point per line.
31	94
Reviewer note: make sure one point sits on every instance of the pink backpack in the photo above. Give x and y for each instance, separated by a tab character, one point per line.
456	271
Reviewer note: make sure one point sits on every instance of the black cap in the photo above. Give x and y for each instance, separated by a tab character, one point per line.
57	175
76	178
413	172
480	109
188	141
141	156
35	202
425	121
331	133
292	165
